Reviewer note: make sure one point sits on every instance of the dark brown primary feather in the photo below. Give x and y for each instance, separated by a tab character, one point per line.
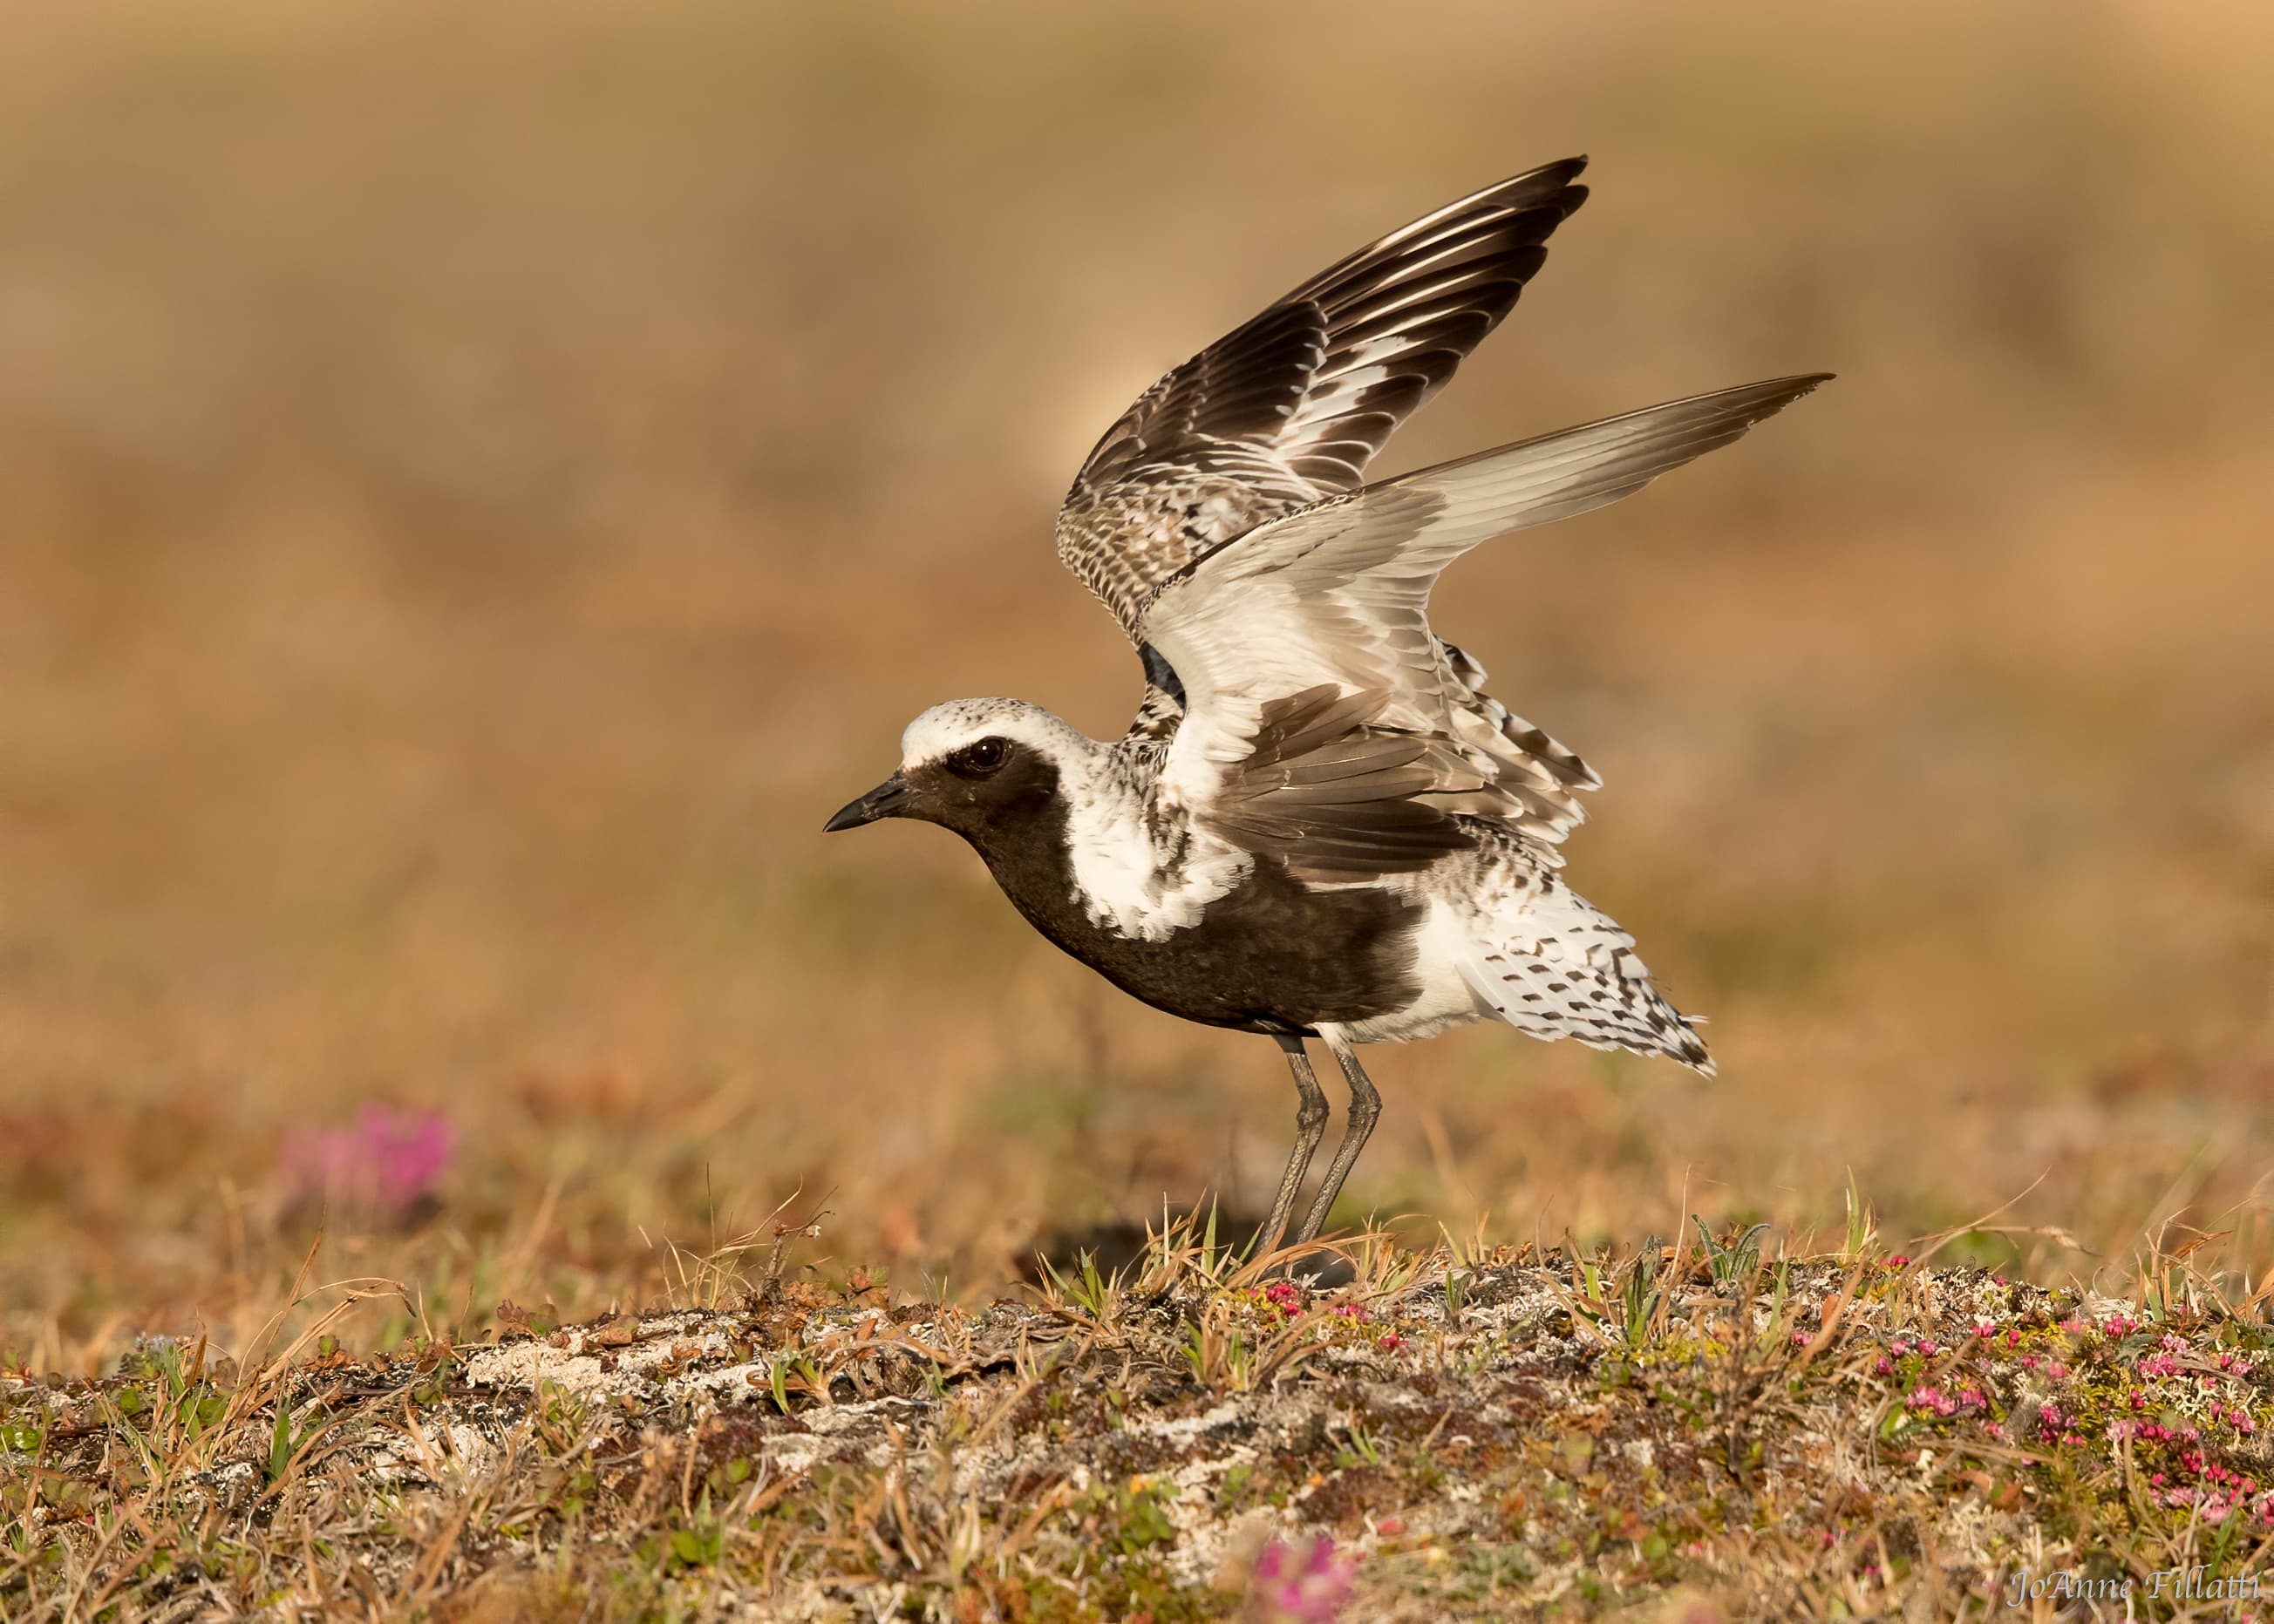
1334	799
1291	407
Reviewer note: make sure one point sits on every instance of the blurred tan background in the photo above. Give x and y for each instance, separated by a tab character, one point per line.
477	492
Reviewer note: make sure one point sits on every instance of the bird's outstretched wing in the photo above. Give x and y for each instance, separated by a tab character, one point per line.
1290	408
1324	723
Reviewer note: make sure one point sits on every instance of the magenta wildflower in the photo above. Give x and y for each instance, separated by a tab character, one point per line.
389	1163
1285	1296
1310	1590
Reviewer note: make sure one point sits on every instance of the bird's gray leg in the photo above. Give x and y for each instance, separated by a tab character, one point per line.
1366	1105
1310	1128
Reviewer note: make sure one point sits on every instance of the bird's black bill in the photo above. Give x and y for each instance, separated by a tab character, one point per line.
882	801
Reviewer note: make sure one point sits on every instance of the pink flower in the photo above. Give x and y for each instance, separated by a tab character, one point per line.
1313	1590
389	1163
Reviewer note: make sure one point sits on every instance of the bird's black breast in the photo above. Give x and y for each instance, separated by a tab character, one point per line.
1270	955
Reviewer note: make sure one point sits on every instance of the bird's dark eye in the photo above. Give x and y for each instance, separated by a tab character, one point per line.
977	761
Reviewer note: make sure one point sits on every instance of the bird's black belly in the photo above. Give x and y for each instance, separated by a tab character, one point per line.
1270	955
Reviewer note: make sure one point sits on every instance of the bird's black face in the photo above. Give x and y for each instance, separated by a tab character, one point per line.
989	783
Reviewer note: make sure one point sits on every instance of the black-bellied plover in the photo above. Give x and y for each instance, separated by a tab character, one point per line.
1320	826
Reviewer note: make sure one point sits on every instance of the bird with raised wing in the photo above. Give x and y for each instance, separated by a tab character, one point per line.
1320	826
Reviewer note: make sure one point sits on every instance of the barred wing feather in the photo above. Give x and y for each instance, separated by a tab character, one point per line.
1293	405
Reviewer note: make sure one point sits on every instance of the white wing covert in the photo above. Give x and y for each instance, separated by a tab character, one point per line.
1303	644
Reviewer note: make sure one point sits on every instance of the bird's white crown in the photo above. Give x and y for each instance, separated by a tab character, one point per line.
946	728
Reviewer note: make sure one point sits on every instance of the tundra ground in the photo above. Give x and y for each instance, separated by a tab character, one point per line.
1691	1431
